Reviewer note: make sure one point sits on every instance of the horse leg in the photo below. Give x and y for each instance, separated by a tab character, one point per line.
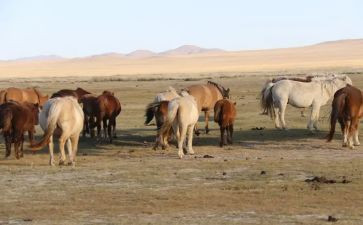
345	133
206	115
70	152
190	140
196	130
277	117
109	127
98	122
316	119
181	139
51	151
22	146
221	142
104	128
114	127
62	156
313	117
282	108
85	126
7	145
352	131
91	120
74	140
356	136
230	139
302	112
17	143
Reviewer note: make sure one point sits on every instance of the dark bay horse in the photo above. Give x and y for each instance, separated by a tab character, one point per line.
89	103
224	115
206	96
78	93
107	108
30	95
347	108
15	119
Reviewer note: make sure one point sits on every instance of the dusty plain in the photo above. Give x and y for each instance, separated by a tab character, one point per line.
260	179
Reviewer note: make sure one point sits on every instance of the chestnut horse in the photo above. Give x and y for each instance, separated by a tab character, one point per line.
30	95
224	115
347	108
89	103
15	119
78	93
107	108
160	110
206	96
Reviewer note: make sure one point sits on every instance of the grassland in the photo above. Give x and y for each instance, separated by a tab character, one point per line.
258	180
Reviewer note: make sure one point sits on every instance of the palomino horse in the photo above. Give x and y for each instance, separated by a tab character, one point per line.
206	96
152	107
107	108
347	108
78	93
89	103
275	97
224	115
15	119
182	116
30	95
63	116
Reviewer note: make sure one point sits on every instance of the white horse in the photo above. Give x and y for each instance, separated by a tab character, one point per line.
182	116
64	116
316	93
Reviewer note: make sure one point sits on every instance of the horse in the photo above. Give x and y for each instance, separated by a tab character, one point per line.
206	96
107	108
182	117
276	96
30	95
347	108
78	93
224	115
162	96
89	103
15	119
64	116
160	110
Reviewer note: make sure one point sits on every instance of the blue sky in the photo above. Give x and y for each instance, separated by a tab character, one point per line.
73	28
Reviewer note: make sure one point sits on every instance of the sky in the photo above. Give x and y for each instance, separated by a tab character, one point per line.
76	28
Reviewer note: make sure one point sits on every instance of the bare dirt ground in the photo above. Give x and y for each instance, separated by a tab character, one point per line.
258	180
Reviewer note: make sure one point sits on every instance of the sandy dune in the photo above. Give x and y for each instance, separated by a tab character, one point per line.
345	55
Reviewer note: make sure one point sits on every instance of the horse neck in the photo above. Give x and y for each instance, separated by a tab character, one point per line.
329	89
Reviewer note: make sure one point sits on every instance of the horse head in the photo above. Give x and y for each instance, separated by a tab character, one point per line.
222	90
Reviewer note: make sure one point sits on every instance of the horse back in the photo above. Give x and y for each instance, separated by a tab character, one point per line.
109	105
206	95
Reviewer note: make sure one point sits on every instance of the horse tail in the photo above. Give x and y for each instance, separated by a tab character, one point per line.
5	120
150	111
218	112
173	109
53	116
338	107
266	100
2	96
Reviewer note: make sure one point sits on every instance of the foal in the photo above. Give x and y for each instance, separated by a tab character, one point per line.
224	115
347	108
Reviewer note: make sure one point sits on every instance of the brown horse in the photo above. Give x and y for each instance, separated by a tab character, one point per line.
78	93
15	119
107	108
89	103
347	108
206	96
160	111
224	115
30	95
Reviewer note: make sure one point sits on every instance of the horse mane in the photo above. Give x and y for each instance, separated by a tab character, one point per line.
218	86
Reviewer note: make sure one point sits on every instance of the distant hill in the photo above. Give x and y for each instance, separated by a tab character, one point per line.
342	55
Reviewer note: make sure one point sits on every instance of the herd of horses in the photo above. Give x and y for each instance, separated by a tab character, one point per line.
66	113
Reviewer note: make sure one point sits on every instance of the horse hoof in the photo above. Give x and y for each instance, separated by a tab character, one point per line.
180	155
61	162
344	145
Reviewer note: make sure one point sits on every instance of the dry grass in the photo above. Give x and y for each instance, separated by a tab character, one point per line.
129	183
